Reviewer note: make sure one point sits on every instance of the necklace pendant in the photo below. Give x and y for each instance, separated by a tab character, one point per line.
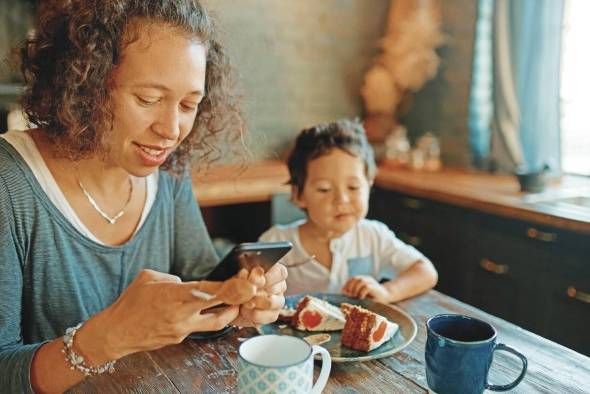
111	220
116	217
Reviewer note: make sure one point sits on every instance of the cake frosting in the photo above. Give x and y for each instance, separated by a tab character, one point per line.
365	330
313	314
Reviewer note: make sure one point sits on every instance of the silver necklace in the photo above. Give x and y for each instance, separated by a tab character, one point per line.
111	220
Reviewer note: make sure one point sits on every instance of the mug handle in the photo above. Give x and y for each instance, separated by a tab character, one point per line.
325	371
505	387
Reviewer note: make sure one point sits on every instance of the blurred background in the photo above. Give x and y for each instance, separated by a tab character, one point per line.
302	62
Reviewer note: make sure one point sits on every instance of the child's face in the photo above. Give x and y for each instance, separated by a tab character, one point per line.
335	193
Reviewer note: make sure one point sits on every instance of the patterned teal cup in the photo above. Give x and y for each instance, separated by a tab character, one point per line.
269	364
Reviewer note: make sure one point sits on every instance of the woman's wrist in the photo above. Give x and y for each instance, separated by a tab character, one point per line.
78	362
94	341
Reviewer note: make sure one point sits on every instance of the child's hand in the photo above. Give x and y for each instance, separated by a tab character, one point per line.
363	286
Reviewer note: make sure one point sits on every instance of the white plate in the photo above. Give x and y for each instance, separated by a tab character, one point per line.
404	336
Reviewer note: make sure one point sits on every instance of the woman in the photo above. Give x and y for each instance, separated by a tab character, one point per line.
91	230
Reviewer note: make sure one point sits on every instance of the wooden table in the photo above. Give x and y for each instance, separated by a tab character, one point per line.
210	366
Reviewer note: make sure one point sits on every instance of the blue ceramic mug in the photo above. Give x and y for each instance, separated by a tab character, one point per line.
459	353
273	364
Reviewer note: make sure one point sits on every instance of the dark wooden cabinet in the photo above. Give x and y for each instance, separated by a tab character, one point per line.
565	288
535	276
501	270
429	226
237	222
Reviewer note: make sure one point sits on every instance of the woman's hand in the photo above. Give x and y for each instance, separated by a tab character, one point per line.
269	300
363	286
156	310
235	291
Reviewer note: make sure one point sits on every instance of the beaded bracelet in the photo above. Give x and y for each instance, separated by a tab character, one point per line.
77	362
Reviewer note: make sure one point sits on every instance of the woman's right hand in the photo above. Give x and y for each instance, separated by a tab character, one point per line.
156	310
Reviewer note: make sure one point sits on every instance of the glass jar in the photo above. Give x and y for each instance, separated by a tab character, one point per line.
429	145
397	146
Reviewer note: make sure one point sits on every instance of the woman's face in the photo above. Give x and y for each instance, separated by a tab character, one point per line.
158	86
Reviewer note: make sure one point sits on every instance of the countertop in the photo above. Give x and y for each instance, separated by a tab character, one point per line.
495	194
238	184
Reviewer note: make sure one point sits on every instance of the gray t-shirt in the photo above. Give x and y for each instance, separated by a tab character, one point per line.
52	277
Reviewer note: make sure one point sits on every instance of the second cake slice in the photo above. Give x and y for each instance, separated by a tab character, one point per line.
365	330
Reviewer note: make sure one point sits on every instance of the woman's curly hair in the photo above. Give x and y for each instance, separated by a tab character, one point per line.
68	62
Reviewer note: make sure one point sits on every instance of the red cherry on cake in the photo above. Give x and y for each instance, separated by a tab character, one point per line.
311	319
313	314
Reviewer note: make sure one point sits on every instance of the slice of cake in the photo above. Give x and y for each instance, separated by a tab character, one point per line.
365	330
286	315
313	314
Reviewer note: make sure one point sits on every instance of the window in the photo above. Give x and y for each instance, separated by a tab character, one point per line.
575	89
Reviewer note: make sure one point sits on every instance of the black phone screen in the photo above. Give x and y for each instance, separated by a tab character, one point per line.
249	255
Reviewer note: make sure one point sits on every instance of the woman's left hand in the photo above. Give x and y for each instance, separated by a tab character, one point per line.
265	306
363	286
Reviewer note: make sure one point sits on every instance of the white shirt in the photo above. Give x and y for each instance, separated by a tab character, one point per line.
24	144
369	248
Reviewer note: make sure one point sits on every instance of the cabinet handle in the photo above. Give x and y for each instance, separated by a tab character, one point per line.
494	268
412	203
413	240
573	293
532	232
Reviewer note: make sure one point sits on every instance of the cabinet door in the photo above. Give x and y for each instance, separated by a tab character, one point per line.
493	285
567	314
535	276
502	273
237	222
433	228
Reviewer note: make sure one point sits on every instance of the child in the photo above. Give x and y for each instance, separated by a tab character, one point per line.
332	169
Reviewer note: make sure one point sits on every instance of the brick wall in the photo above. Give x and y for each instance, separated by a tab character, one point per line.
302	62
442	105
16	17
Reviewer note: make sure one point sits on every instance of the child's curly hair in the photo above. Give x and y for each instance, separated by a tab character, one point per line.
68	62
311	143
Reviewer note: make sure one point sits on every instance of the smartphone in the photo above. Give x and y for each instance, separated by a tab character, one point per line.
249	255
